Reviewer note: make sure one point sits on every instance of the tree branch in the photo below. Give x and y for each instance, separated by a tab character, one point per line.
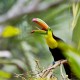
46	72
64	77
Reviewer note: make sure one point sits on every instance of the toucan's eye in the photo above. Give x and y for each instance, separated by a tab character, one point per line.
49	29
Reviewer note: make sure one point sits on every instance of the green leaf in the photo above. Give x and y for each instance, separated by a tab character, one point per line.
76	30
5	74
72	56
74	60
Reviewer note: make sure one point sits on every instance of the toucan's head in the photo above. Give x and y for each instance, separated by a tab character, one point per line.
45	29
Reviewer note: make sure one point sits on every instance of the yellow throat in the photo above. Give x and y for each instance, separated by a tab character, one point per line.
52	43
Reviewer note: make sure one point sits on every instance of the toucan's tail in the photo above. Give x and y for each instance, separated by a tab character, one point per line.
69	72
67	69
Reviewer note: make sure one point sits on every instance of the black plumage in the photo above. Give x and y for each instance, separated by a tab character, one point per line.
57	53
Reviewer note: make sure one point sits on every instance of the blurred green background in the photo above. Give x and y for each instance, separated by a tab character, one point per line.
19	49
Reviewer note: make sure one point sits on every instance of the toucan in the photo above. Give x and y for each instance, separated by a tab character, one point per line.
53	43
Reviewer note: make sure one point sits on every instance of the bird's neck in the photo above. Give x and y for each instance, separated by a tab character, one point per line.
51	42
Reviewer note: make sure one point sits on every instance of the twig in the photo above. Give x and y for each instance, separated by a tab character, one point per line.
58	63
38	66
50	68
20	76
64	77
62	72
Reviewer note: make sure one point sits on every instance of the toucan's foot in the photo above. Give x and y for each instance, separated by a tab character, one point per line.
53	62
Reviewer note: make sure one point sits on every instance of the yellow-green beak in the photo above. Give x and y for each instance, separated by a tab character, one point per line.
42	24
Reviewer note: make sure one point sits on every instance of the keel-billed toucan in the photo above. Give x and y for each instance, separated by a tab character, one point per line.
52	42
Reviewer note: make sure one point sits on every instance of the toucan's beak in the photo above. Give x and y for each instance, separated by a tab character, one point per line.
42	24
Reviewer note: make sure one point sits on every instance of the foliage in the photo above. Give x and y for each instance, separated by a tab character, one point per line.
10	31
19	51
